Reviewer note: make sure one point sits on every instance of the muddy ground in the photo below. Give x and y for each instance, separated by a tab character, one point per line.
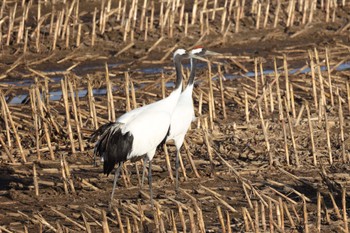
230	168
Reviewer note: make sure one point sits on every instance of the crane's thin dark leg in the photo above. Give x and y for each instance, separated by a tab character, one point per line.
177	170
143	171
116	176
150	181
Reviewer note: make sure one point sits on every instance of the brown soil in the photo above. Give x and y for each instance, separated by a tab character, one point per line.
241	175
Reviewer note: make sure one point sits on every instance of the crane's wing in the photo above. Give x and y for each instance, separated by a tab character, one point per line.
148	129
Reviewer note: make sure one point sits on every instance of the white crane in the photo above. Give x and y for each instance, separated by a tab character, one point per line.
138	133
183	114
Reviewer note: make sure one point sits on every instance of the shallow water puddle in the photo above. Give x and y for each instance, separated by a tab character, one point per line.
57	95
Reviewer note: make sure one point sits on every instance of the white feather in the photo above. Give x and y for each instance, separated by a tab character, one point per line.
182	117
150	126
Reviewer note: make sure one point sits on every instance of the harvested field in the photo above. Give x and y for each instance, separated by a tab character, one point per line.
269	150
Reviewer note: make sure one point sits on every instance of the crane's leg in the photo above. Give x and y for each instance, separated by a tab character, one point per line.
143	171
150	181
116	176
177	170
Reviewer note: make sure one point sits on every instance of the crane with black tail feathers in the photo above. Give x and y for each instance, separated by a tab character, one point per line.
138	133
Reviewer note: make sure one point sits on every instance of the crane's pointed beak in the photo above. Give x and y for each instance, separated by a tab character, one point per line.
202	56
198	57
211	53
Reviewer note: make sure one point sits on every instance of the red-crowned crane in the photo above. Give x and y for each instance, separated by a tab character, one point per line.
183	114
138	133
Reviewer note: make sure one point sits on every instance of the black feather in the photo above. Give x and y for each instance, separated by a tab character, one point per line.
100	131
113	146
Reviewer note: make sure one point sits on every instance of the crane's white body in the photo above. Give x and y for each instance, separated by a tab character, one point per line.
182	117
150	125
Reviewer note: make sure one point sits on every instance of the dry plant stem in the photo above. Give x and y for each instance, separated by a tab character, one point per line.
266	14
133	95
7	127
93	34
173	222
272	108
258	16
263	83
68	218
291	131
256	77
110	101
299	115
44	122
92	107
120	223
192	221
323	97
296	214
250	220
277	11
189	156
326	212
221	219
313	150
318	223
228	220
105	226
271	217
246	108
292	100
306	222
329	76
329	148
289	215
66	104
265	134
182	218
286	150
127	92
341	126
209	150
313	78
246	222
68	175
223	105
163	85
247	195
35	180
86	224
64	178
348	94
167	159
336	209
128	226
263	217
76	118
7	151
14	128
256	213
281	208
345	218
211	95
285	66
36	120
